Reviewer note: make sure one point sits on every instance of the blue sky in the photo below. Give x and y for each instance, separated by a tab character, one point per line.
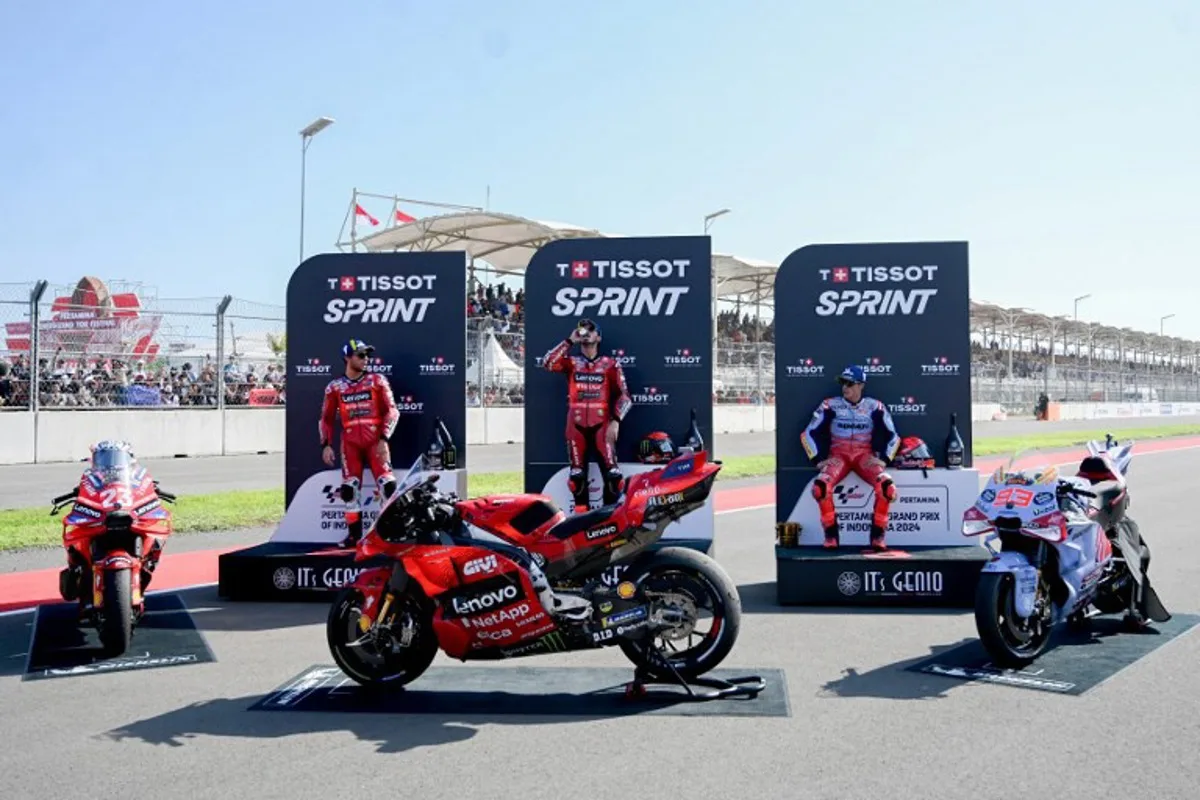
157	141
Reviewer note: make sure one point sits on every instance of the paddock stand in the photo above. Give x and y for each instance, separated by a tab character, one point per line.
717	688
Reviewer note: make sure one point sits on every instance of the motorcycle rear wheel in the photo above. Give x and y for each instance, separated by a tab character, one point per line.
373	663
997	624
116	618
696	578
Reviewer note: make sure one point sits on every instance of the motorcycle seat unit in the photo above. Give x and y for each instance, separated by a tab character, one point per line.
581	522
1098	470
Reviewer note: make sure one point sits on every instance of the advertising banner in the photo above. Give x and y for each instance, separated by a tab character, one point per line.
412	308
900	311
652	301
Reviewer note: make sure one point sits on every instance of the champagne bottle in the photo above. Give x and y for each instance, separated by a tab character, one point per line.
954	445
694	440
435	454
449	451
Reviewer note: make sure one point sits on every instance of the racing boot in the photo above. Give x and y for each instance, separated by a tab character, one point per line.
567	606
832	537
354	531
877	539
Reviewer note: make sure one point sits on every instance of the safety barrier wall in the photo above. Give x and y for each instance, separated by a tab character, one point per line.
65	435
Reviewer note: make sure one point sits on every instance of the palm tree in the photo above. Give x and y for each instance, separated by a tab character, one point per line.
277	343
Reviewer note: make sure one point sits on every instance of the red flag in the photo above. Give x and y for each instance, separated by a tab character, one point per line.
362	212
402	217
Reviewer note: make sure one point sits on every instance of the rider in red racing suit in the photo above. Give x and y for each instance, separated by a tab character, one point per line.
597	401
367	408
852	424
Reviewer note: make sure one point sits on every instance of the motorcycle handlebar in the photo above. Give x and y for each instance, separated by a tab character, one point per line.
1067	488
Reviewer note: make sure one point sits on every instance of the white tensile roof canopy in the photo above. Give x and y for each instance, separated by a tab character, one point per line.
508	242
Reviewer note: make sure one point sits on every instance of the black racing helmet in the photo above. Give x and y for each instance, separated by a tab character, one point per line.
656	448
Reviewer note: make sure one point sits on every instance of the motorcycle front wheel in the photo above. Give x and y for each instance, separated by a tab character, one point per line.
684	583
1012	642
116	618
396	653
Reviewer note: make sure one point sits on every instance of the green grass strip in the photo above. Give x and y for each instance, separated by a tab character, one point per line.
34	527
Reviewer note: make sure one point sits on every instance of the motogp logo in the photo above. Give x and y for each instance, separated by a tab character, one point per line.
682	358
940	366
650	396
844	494
908	406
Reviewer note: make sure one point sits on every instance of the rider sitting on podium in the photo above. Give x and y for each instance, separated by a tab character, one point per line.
844	436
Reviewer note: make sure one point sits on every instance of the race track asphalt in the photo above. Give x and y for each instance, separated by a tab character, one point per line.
860	727
27	485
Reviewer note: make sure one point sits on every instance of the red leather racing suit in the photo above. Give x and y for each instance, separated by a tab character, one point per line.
596	395
844	438
369	415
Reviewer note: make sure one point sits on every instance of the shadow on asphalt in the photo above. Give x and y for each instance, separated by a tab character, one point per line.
16	633
211	613
892	682
228	717
759	598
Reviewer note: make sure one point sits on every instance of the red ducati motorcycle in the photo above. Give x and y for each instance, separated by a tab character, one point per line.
114	535
458	576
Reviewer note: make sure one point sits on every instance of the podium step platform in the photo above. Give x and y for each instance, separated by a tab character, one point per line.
908	577
308	572
288	571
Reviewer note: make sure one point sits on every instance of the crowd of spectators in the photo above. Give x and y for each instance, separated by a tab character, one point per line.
93	382
71	382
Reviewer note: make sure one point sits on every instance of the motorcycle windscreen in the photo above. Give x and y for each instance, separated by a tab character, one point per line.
1026	495
411	478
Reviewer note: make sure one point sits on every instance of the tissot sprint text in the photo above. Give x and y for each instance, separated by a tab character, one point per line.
887	290
408	298
655	298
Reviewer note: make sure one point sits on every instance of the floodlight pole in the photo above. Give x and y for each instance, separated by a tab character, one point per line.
708	221
306	137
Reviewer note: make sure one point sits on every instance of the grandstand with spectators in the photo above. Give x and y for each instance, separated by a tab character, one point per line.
103	347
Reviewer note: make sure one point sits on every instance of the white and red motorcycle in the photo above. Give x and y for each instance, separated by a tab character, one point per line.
1067	551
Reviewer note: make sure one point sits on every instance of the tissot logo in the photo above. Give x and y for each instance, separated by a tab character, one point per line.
940	365
438	365
382	283
623	358
805	368
313	366
907	406
874	365
377	366
606	269
682	357
408	405
864	274
650	396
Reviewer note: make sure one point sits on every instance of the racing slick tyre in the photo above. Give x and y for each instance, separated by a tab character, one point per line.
1009	640
686	581
396	653
116	618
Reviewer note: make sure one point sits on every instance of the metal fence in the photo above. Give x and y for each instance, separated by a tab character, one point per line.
119	345
129	348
